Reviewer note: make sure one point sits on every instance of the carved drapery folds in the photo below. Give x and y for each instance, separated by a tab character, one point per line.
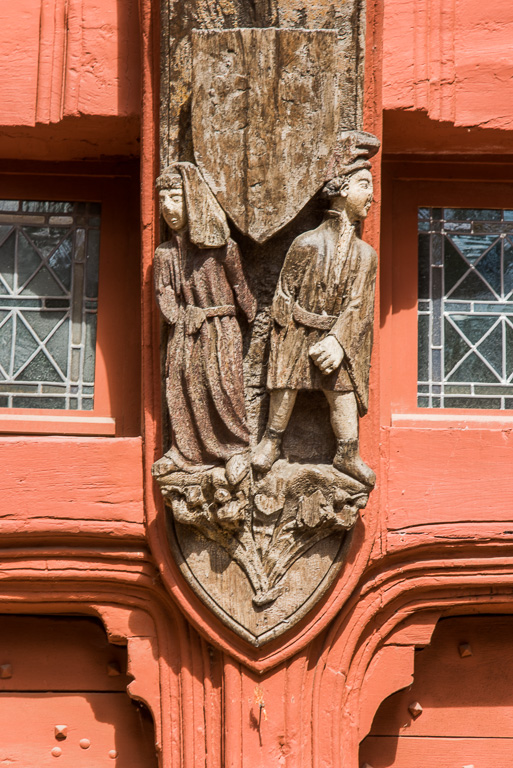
268	324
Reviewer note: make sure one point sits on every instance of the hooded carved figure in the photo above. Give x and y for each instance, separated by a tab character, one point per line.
200	286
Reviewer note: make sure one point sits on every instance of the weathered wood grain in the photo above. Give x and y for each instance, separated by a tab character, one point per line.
264	120
177	23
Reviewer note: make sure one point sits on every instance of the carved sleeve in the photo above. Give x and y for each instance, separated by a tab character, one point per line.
286	290
164	288
237	280
353	329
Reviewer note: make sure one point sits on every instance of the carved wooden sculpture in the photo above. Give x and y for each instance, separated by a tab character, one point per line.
323	313
199	280
259	529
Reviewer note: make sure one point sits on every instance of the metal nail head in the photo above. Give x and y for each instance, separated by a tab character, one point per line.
113	669
61	732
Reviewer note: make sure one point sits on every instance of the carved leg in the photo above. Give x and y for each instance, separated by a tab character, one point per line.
344	420
269	447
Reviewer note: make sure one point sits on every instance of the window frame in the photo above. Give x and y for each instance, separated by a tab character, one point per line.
116	403
412	186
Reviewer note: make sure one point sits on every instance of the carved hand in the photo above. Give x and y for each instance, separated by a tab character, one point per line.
327	354
194	319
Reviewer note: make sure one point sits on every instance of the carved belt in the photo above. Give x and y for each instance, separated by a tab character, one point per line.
196	316
312	320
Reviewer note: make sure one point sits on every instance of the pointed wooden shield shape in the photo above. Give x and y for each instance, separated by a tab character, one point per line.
264	120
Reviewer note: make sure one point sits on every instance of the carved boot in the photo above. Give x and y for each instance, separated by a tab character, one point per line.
267	451
348	460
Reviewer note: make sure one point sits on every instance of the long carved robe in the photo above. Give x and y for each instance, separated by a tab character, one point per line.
328	278
204	377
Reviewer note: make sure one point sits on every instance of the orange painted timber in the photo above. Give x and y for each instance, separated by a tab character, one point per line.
61	487
451	60
463	683
446	476
71	655
69	79
19	31
73	138
304	711
62	59
63	695
117	366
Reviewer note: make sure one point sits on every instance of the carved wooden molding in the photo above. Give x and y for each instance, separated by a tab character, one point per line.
429	80
398	606
136	612
51	71
66	59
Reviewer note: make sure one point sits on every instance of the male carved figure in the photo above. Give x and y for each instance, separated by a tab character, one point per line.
199	283
323	314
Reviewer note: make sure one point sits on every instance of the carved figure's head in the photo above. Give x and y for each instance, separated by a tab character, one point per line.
349	180
187	200
172	201
356	194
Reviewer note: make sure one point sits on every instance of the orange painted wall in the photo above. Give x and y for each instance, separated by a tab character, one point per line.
70	90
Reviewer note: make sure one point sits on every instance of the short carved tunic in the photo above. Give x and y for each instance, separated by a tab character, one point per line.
330	273
204	381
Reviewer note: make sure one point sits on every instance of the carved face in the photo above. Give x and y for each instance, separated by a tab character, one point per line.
172	205
358	192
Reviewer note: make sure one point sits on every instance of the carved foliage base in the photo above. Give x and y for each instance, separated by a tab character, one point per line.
263	551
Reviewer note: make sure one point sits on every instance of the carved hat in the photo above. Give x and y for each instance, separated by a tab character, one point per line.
208	227
352	153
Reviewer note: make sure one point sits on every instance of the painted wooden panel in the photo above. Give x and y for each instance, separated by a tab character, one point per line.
469	695
71	486
452	60
19	42
102	58
102	730
68	59
39	653
385	752
63	695
463	683
449	475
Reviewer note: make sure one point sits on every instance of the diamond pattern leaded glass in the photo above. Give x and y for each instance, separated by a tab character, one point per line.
49	253
465	309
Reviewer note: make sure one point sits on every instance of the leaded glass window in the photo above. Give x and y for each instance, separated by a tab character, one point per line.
465	308
49	253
